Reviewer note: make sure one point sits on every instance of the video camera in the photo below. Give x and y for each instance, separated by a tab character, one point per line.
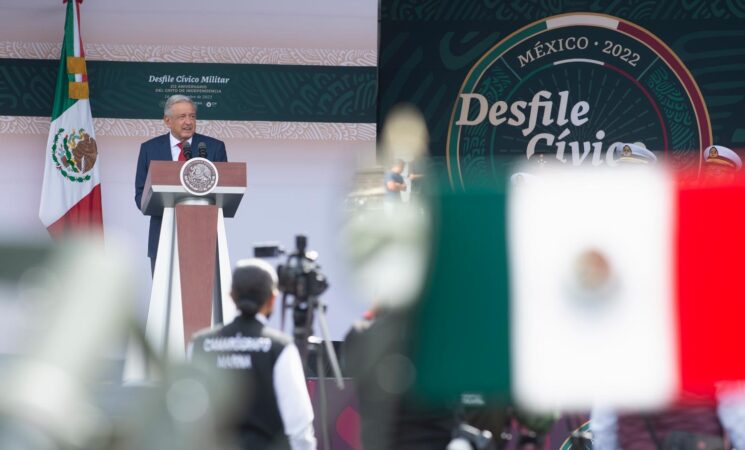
300	277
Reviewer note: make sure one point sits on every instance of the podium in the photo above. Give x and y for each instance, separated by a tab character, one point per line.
191	281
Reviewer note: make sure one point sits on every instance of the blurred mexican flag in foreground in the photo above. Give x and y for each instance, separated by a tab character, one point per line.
623	287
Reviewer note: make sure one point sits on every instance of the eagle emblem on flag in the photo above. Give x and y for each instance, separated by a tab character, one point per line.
74	154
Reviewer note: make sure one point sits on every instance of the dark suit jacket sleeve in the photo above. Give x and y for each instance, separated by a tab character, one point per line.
143	163
221	155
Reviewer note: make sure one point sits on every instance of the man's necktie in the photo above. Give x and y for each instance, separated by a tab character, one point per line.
181	156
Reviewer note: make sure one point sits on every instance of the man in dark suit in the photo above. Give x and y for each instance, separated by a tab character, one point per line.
180	116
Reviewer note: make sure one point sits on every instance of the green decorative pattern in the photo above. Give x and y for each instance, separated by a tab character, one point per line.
493	11
136	90
27	87
673	104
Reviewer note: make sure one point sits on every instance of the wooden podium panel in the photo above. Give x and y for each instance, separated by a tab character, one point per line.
196	228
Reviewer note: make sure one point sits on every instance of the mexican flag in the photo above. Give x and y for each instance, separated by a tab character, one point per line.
582	288
632	276
71	192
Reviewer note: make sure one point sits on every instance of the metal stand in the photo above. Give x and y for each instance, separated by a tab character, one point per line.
303	313
333	361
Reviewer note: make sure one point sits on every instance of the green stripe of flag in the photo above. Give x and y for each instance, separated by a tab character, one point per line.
62	100
461	327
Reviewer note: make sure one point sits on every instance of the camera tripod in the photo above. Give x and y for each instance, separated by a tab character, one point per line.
303	312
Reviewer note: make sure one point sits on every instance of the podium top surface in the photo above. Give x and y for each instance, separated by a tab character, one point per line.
163	187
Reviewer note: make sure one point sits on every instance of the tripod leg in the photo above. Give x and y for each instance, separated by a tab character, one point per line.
322	401
329	347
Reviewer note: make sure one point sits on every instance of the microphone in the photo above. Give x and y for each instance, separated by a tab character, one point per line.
187	150
202	150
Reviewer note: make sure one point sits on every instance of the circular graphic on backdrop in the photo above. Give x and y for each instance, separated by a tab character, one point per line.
569	88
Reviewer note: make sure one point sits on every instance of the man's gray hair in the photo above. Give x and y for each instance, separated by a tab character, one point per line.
177	98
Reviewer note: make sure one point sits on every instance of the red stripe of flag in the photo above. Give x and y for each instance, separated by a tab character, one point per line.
710	275
86	215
